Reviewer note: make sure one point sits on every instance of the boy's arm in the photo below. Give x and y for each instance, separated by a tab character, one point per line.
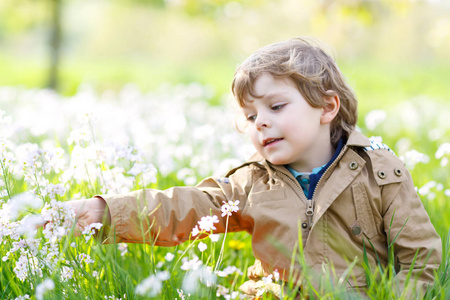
416	235
168	217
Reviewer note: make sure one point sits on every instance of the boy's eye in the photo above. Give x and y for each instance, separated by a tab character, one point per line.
278	106
251	118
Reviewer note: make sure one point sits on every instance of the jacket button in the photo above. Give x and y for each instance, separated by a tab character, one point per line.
381	174
353	165
304	225
356	230
398	172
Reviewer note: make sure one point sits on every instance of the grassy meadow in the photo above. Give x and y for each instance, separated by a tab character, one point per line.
54	148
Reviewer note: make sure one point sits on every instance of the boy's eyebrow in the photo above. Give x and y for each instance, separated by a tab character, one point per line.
268	96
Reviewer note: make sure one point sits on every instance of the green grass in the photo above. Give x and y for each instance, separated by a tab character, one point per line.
112	73
381	84
378	84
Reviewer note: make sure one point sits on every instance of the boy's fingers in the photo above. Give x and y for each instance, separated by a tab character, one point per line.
249	288
256	272
38	222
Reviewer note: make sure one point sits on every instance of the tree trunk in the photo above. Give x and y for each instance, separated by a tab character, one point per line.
55	44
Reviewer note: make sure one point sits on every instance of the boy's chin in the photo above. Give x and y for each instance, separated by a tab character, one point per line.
277	162
274	160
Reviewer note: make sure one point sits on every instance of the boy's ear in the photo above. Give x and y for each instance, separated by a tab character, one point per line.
331	108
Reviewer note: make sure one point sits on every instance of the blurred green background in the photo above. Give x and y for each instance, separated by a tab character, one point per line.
389	50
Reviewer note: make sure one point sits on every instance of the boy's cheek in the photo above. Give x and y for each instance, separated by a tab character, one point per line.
255	140
241	124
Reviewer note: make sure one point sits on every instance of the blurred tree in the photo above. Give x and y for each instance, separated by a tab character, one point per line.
18	16
196	8
55	43
45	16
365	11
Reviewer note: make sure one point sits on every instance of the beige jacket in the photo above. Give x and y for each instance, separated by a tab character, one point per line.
354	201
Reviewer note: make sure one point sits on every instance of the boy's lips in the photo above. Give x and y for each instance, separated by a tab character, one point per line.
269	141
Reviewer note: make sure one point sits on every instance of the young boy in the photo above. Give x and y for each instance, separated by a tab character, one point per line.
313	175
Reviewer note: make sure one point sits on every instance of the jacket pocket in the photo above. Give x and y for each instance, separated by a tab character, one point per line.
364	213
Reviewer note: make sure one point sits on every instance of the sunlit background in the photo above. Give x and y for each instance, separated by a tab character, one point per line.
389	50
100	97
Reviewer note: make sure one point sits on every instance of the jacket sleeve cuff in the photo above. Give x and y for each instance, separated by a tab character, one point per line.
114	203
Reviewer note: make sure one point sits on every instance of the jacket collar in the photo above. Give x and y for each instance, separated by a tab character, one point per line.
358	139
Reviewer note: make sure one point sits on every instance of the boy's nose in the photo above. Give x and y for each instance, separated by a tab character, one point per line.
262	122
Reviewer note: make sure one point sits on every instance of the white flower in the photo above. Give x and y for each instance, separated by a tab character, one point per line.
182	295
214	237
202	246
90	230
187	175
148	172
54	189
22	202
229	208
123	248
83	257
27	266
228	271
29	224
441	153
80	135
86	117
276	275
443	149
202	274
5	214
128	152
374	117
192	264
26	296
169	256
152	285
413	157
233	295
267	279
46	285
226	210
195	230
163	275
444	161
426	189
60	218
67	273
21	267
207	223
221	290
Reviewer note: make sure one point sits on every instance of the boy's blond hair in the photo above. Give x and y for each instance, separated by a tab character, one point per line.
312	69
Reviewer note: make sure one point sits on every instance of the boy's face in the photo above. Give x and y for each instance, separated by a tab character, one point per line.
284	127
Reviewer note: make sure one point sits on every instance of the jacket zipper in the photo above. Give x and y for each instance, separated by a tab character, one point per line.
310	208
309	202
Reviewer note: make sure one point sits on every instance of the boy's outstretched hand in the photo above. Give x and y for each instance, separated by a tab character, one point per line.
87	212
90	211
